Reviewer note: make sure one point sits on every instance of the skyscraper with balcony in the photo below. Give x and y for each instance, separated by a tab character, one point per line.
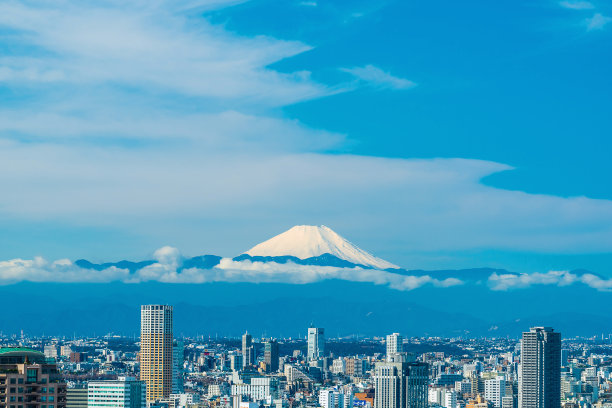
540	369
316	343
156	350
28	381
401	385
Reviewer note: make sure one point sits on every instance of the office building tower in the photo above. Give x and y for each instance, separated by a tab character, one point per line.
26	379
395	345
495	390
316	343
156	350
271	355
236	361
124	392
178	358
401	385
248	350
540	370
76	397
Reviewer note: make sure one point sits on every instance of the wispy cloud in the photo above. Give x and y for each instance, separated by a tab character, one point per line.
309	3
597	22
505	282
577	5
378	78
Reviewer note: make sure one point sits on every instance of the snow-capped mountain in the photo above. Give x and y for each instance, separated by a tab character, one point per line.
309	241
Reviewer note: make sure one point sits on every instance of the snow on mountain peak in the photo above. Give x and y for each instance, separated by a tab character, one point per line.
305	241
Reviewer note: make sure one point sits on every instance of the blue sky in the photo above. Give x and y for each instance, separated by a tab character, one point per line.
435	134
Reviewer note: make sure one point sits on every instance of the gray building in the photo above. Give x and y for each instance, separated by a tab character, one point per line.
401	385
271	355
540	371
248	350
316	343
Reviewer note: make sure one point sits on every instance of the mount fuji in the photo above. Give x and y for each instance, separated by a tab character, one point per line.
315	243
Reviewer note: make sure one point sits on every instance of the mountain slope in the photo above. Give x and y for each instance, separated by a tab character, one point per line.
308	241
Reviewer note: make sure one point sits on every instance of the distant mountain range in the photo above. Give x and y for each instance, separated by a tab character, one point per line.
306	274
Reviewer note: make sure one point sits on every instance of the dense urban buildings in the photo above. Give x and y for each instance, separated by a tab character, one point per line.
540	372
393	371
156	350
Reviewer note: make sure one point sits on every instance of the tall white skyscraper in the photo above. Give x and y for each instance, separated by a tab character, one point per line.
125	392
395	345
540	369
316	343
156	350
401	385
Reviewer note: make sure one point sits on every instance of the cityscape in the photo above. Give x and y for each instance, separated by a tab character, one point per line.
538	368
305	204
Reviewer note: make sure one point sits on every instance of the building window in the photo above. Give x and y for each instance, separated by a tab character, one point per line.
32	375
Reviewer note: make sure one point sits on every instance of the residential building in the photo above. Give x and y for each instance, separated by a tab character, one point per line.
540	369
156	350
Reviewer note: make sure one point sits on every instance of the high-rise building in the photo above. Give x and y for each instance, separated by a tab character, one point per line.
395	345
156	350
271	355
540	369
41	382
124	392
178	358
401	385
495	390
316	343
248	351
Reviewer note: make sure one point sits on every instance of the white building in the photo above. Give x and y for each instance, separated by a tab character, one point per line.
495	390
125	392
51	351
183	400
395	345
450	399
260	389
316	343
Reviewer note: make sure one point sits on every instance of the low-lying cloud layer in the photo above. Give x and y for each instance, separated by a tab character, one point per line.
167	269
555	278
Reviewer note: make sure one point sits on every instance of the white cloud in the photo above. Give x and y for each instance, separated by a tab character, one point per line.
155	46
309	3
378	78
169	260
436	204
597	22
505	282
577	5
